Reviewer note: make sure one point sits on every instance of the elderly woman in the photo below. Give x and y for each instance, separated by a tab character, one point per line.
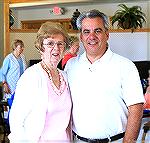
13	66
41	109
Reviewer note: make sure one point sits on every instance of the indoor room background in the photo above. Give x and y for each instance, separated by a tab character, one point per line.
135	46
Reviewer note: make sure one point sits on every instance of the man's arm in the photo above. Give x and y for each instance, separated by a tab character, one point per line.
133	123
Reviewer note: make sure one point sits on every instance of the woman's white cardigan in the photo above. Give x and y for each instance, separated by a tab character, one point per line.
28	111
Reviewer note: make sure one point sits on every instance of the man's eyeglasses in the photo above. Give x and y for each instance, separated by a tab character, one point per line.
52	44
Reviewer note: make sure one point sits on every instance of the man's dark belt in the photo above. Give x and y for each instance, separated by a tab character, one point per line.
105	140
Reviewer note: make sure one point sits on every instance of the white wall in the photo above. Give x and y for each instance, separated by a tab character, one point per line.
135	46
130	45
28	38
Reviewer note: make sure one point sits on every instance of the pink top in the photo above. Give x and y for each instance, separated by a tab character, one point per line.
57	120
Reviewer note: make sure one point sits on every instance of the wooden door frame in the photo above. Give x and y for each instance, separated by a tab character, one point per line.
6	28
7	48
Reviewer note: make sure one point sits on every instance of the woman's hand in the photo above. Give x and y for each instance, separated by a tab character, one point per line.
6	88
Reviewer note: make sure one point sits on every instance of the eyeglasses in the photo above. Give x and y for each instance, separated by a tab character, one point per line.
52	44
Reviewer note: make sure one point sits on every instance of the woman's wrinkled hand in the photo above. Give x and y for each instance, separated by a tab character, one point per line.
6	88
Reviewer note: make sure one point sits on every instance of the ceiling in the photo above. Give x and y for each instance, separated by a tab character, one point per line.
70	2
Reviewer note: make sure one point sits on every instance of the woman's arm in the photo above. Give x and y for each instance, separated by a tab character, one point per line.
4	71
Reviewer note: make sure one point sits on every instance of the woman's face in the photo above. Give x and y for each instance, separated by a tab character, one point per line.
74	48
19	49
54	49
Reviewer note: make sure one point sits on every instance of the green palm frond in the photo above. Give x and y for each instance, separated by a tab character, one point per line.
129	17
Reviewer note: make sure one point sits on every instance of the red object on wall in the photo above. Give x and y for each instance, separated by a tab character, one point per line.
57	10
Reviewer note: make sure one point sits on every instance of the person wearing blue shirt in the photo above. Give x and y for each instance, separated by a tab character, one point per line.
13	67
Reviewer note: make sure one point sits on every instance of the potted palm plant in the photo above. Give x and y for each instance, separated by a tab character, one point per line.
129	17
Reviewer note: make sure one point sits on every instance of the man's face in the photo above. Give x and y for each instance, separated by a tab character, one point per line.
94	36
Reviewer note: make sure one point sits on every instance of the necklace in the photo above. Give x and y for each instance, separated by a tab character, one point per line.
45	67
56	90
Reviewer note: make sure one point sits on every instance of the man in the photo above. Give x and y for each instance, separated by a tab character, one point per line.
106	90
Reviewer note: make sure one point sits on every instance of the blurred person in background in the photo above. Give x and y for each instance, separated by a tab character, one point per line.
13	67
72	51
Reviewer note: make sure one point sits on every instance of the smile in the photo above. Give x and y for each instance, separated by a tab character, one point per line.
92	42
55	54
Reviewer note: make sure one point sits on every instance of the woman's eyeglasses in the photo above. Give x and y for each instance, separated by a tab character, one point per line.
52	44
